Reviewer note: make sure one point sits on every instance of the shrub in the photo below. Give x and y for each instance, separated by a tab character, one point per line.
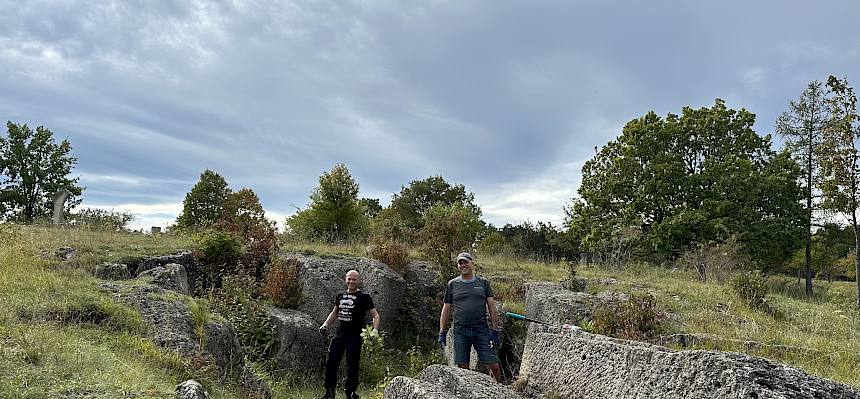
751	287
392	253
493	244
448	230
101	219
571	282
716	260
636	318
249	317
282	285
220	254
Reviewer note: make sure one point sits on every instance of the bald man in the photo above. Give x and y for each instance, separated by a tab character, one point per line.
350	309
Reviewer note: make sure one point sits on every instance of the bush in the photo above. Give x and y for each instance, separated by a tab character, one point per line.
101	219
635	319
282	285
751	287
249	317
392	253
448	230
716	260
492	245
220	254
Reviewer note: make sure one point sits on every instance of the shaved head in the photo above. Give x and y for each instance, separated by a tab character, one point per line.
352	280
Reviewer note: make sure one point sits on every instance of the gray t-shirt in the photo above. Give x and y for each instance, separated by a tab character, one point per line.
469	299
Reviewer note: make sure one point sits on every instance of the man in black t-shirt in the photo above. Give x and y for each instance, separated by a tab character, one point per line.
350	309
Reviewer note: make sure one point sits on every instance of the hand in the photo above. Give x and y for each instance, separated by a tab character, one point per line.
442	338
494	339
323	329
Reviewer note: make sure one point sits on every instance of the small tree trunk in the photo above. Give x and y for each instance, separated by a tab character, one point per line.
809	219
856	257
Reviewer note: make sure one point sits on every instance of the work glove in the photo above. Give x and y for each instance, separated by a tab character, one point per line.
443	335
495	342
323	330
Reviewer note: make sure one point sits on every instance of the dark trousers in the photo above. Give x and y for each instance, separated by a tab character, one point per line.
351	344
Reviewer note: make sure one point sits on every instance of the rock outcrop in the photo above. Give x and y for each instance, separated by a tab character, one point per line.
582	365
193	269
323	278
191	390
444	382
422	299
171	276
552	303
300	345
171	326
112	271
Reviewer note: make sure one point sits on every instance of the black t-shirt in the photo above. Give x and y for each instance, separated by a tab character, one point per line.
351	309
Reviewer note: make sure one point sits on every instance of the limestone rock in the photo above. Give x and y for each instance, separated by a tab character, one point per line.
193	269
422	299
61	253
582	365
171	326
438	382
323	278
300	345
112	271
171	276
191	390
552	303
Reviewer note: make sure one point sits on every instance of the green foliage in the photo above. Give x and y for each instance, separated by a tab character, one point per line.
334	213
702	176
388	225
204	204
447	231
248	316
200	315
493	244
282	285
635	319
32	168
373	364
751	287
570	281
413	201
243	216
392	253
101	219
541	241
371	207
715	261
220	254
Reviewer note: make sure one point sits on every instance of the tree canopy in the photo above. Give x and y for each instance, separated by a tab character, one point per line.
33	167
699	177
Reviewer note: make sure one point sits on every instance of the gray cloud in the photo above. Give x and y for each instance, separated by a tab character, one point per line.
503	97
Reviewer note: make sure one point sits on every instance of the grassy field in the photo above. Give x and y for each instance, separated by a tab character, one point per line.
51	345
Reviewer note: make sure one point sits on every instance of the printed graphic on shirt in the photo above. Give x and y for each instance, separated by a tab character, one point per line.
347	303
352	311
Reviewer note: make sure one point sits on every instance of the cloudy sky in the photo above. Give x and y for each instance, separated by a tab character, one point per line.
506	97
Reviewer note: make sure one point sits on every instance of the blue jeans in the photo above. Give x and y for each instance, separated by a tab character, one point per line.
465	337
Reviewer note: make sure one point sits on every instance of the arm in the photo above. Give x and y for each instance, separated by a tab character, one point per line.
331	317
494	316
443	318
375	315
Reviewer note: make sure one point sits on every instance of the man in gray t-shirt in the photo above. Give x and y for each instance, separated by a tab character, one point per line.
471	298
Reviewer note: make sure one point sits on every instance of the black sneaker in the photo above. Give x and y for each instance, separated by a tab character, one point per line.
353	396
328	396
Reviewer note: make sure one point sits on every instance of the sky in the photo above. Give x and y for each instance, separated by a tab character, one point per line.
509	98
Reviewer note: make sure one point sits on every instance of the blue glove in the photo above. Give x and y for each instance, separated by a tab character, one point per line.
494	339
442	338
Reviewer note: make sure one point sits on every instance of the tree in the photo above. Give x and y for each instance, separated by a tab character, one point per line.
204	204
334	212
802	126
244	217
669	183
33	167
371	207
420	195
448	229
840	158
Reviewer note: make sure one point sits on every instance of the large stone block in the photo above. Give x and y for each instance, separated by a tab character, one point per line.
438	382
323	278
582	365
552	303
171	276
300	345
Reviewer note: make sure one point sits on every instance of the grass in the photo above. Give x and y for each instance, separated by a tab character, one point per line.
827	324
60	336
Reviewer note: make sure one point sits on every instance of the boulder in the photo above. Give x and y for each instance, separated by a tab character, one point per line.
191	390
582	365
438	382
170	325
61	253
193	269
300	345
422	300
552	303
171	276
323	278
112	271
